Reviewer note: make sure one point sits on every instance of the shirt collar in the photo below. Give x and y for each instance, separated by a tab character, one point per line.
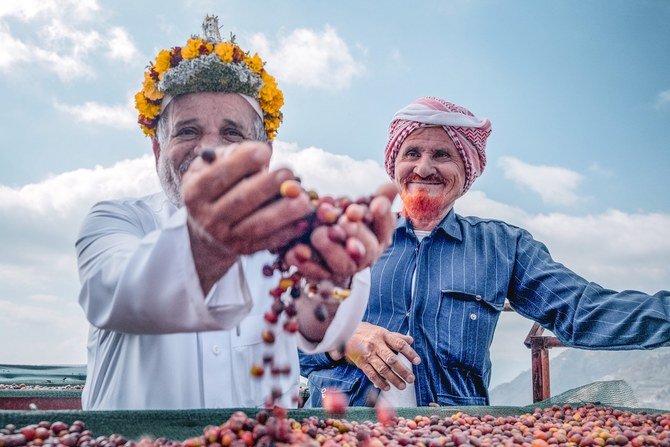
448	226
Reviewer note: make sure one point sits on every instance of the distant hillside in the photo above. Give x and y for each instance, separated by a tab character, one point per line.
647	373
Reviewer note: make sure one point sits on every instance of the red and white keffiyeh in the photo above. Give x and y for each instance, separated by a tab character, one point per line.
468	133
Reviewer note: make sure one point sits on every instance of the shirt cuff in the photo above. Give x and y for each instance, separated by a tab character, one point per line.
346	320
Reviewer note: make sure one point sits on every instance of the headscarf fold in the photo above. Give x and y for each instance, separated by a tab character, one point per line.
468	133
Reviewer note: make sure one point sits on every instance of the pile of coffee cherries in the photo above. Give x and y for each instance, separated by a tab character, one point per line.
23	386
560	426
292	285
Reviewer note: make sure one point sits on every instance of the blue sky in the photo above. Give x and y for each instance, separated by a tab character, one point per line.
578	94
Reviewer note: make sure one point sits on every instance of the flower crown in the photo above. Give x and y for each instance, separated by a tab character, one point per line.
208	64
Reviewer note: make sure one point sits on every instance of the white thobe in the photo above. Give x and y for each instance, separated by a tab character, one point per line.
156	342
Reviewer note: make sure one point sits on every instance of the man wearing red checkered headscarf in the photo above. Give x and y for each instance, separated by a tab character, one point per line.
430	183
437	292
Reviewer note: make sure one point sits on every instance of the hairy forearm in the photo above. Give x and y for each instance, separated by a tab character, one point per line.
211	261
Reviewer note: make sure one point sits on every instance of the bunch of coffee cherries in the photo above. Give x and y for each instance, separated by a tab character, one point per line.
292	285
556	426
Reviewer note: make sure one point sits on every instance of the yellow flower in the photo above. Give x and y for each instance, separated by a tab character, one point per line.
225	51
191	49
145	107
162	63
148	132
254	62
149	88
272	123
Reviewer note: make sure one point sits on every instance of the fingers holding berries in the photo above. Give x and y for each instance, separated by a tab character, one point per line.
222	168
234	203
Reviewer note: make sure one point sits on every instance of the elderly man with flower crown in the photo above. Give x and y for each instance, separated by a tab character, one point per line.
439	288
175	285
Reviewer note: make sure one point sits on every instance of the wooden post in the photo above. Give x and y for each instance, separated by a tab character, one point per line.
539	354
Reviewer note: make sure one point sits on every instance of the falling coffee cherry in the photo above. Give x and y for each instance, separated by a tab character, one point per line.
268	336
385	412
334	403
271	317
291	326
295	293
257	371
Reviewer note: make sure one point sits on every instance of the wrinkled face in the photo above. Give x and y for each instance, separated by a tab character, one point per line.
194	122
430	174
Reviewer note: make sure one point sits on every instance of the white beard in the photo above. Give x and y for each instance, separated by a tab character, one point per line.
170	178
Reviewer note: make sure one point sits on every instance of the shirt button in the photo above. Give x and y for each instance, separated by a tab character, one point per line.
478	297
473	316
216	349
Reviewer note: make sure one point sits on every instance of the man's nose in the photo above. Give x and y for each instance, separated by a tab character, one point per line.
210	141
424	167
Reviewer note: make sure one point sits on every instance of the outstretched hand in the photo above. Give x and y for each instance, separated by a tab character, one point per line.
234	209
358	245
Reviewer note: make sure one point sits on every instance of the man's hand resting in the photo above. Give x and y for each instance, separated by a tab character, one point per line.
375	350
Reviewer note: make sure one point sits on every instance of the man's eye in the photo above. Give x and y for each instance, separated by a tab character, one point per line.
442	154
412	153
232	135
185	131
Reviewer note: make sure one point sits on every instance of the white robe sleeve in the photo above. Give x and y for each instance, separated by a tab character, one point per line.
137	278
349	314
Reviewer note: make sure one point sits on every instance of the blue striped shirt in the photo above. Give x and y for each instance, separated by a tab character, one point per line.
465	269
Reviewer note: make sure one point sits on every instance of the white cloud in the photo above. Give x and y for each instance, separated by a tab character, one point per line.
121	46
309	58
554	184
13	50
76	191
28	10
66	66
663	99
119	116
329	173
600	170
58	41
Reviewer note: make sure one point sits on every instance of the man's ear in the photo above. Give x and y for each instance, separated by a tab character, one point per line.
156	148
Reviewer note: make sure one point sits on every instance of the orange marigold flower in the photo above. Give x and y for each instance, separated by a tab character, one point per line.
149	88
146	108
254	62
192	49
147	131
162	62
225	51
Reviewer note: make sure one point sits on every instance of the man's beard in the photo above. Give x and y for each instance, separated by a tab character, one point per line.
170	178
420	205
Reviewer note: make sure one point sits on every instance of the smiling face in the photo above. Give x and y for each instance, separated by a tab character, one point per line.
430	174
195	122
